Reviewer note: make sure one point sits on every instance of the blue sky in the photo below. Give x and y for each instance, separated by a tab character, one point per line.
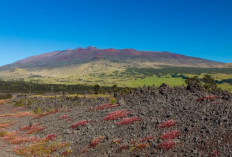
198	28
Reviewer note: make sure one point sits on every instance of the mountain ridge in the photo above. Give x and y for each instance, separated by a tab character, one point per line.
91	53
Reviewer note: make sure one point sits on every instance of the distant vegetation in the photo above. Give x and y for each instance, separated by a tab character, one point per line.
5	96
224	81
33	76
180	70
207	82
121	78
26	87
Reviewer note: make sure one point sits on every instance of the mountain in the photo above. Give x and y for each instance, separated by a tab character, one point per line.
90	54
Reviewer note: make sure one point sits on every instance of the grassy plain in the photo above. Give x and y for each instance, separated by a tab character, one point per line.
106	73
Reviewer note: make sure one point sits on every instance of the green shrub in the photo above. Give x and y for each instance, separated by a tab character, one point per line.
112	100
191	79
19	103
38	111
6	96
126	90
97	89
30	102
114	88
209	82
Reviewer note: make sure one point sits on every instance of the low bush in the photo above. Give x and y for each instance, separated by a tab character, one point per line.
112	100
19	103
6	96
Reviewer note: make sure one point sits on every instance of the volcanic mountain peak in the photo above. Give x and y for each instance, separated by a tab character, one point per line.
91	48
91	53
79	48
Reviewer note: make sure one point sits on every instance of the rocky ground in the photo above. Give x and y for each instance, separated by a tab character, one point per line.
150	121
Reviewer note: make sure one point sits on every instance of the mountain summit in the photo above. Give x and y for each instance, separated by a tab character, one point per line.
91	53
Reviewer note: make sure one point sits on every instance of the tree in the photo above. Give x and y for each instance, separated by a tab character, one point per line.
209	82
194	78
114	88
97	89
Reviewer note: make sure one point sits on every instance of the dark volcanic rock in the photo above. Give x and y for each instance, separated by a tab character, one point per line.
195	87
201	124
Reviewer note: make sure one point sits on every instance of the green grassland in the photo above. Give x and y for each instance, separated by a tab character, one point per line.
170	81
107	74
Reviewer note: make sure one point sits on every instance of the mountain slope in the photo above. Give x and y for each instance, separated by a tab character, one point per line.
80	55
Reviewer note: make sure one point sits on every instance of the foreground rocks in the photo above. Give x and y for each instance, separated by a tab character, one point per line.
204	125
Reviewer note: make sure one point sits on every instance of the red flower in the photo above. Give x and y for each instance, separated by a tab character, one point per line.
126	121
141	146
50	137
171	135
84	150
96	141
211	97
123	147
166	124
117	141
105	106
146	138
69	119
82	123
166	145
64	117
116	114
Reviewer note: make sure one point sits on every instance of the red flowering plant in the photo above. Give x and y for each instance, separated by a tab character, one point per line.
28	127
68	110
67	152
116	141
36	147
84	150
10	135
123	147
126	121
166	145
18	115
133	142
82	123
64	117
210	98
7	124
2	102
147	138
116	114
48	113
96	141
34	129
39	149
69	119
50	137
140	146
105	106
171	135
20	140
167	124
